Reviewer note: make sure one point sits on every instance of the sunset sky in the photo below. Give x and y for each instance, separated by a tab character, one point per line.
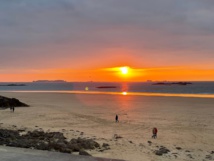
89	40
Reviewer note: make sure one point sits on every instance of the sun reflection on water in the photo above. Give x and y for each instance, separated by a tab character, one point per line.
124	93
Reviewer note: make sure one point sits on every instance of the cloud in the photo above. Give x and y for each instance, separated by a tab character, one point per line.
30	28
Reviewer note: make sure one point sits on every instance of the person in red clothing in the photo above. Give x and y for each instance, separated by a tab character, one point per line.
154	131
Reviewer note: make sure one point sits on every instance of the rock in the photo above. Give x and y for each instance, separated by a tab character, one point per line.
164	150
42	146
21	130
82	152
45	141
178	148
9	134
190	156
161	151
9	102
84	143
131	142
58	146
212	152
105	145
74	147
174	153
208	157
150	143
117	136
158	153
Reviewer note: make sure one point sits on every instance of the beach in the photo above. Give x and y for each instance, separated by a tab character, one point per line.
185	124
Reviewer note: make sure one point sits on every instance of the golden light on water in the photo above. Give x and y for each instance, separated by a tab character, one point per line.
124	93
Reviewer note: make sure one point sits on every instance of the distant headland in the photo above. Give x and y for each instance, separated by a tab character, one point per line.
12	84
49	81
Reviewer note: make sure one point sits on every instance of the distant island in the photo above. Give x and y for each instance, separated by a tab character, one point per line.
49	81
172	83
106	87
12	84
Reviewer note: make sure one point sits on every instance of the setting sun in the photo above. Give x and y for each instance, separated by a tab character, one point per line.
124	73
124	70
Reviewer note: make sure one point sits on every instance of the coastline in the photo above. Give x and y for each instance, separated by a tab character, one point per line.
182	122
116	93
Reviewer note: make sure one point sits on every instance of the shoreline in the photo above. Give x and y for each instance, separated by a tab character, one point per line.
118	93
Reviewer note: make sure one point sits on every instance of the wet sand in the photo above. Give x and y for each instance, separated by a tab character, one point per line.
185	125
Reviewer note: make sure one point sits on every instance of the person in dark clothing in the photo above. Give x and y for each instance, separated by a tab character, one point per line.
116	118
154	132
13	108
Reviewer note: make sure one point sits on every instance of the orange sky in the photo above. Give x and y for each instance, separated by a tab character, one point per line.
104	67
114	75
79	40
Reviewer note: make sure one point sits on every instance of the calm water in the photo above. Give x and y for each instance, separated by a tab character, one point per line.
195	88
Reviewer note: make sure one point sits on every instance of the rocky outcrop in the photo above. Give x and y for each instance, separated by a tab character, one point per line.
82	152
162	150
52	141
11	102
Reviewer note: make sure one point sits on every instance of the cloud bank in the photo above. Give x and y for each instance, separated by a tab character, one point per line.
42	33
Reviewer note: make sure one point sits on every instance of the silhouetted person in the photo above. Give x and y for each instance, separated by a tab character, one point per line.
154	132
13	108
116	118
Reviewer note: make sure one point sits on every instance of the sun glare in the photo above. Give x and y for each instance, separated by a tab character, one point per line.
124	93
124	70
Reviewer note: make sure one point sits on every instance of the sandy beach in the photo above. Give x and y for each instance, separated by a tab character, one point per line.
185	125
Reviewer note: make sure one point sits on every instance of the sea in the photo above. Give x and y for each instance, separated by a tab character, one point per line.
198	89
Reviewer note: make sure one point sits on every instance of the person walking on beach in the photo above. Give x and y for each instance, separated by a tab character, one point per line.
116	118
13	108
154	132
